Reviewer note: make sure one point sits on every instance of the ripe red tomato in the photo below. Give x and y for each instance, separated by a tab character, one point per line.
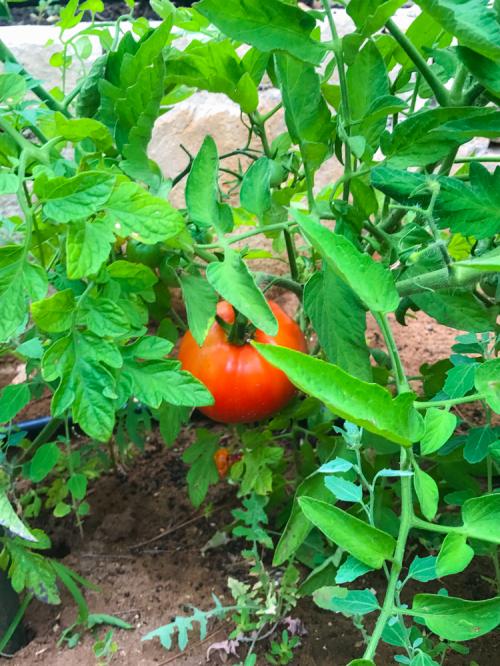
244	385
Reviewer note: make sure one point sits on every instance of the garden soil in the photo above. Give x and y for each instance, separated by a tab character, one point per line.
144	548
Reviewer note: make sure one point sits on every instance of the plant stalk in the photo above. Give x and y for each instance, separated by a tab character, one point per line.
450	402
397	366
6	55
435	84
397	564
344	96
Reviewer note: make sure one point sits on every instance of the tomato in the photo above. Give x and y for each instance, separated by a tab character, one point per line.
140	253
245	386
221	458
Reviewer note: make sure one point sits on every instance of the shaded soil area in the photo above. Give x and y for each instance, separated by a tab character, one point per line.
143	547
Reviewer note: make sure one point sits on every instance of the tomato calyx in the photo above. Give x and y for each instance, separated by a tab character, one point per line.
240	331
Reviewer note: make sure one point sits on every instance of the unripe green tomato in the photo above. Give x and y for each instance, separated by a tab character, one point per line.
167	272
140	253
278	174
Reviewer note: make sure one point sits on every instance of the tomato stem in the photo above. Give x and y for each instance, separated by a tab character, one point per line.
238	333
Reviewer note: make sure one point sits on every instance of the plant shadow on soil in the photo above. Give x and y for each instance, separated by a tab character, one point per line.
148	586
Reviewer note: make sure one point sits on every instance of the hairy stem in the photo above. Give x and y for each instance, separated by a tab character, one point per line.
344	97
397	563
450	402
435	84
247	234
397	366
292	254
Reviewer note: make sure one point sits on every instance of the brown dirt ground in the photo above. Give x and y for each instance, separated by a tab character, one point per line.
149	585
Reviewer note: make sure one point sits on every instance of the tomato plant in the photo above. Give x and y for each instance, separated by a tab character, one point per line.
244	386
373	201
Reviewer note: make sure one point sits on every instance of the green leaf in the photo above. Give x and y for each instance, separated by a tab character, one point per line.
298	526
439	427
13	287
171	419
31	348
214	66
9	183
489	261
456	619
366	543
345	491
203	470
361	662
460	380
77	484
103	317
10	520
339	320
486	71
454	556
350	570
12	89
151	382
487	382
202	185
257	466
44	461
89	98
201	304
79	129
423	569
348	602
130	94
367	405
371	15
307	116
472	22
478	442
266	25
472	210
86	385
255	192
367	82
457	308
368	279
234	282
132	278
252	518
136	212
148	348
13	398
55	314
68	199
427	493
87	247
423	138
481	517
